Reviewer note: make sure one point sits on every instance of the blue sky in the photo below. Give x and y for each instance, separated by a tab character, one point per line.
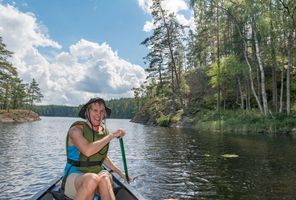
78	49
117	22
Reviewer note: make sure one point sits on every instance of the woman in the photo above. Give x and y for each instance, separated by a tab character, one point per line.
87	146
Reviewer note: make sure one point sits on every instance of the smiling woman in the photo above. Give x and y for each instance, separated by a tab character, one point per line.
87	146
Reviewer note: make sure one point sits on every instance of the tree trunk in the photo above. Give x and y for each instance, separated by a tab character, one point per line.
173	62
262	75
273	71
282	89
218	60
273	66
249	66
290	43
283	53
251	81
241	94
248	97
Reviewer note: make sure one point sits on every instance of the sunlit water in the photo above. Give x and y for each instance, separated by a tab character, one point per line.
168	163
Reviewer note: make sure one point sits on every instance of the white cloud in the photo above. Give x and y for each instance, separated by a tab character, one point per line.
171	6
149	26
93	68
88	69
174	5
21	31
145	5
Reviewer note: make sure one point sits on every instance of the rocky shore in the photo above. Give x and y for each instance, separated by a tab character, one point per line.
18	116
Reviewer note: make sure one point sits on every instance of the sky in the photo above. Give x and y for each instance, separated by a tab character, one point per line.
79	49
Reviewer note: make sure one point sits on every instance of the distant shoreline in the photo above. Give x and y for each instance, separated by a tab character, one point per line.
19	116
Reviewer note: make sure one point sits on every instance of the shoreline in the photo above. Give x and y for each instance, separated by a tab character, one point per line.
230	121
18	116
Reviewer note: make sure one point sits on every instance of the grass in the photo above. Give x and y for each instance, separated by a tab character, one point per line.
245	121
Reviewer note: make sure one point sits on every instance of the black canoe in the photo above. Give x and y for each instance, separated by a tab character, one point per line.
122	190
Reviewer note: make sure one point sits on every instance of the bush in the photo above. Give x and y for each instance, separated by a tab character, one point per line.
177	116
163	120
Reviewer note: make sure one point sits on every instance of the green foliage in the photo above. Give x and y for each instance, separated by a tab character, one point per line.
163	120
123	108
56	110
245	121
34	93
177	117
230	68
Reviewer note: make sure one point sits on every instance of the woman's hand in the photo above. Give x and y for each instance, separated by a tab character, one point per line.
119	133
130	179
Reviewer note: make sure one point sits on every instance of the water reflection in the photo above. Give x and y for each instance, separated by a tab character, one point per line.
169	163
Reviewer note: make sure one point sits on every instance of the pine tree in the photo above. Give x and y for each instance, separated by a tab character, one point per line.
34	93
7	74
165	70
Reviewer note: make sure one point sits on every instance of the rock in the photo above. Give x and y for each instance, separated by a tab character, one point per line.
6	120
185	122
19	116
144	118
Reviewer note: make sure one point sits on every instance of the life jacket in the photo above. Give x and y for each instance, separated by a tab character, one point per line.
94	162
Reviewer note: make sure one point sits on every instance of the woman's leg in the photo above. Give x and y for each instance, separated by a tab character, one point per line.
105	188
87	184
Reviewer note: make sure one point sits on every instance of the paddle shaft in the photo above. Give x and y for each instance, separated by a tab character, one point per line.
123	158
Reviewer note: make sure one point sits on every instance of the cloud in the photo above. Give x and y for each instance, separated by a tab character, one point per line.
93	68
22	31
172	6
70	77
149	26
145	5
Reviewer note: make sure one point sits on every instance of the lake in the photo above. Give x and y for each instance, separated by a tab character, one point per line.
168	163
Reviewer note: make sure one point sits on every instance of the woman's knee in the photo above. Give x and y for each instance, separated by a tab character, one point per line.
90	181
105	173
105	178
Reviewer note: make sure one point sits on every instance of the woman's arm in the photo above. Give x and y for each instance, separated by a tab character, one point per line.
90	148
113	167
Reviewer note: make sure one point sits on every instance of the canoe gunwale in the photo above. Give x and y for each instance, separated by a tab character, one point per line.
46	188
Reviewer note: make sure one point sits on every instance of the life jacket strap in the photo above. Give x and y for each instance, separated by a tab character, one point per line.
84	163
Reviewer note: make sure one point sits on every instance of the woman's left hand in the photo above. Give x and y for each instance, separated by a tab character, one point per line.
130	179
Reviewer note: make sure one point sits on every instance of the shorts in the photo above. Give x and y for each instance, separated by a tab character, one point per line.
70	190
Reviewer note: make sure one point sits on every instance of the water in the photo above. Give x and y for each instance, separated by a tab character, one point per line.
169	163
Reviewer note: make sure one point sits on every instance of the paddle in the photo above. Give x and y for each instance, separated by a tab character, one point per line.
123	159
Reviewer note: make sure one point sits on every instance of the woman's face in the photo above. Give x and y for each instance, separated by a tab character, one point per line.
97	113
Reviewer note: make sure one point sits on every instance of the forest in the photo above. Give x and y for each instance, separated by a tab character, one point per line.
236	67
123	108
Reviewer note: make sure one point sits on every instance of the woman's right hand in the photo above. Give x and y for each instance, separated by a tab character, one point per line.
119	133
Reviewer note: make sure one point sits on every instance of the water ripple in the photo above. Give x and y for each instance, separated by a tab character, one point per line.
168	163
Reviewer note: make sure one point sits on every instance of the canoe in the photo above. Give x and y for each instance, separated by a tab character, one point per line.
122	190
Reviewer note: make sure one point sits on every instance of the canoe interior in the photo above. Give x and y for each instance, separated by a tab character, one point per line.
121	189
